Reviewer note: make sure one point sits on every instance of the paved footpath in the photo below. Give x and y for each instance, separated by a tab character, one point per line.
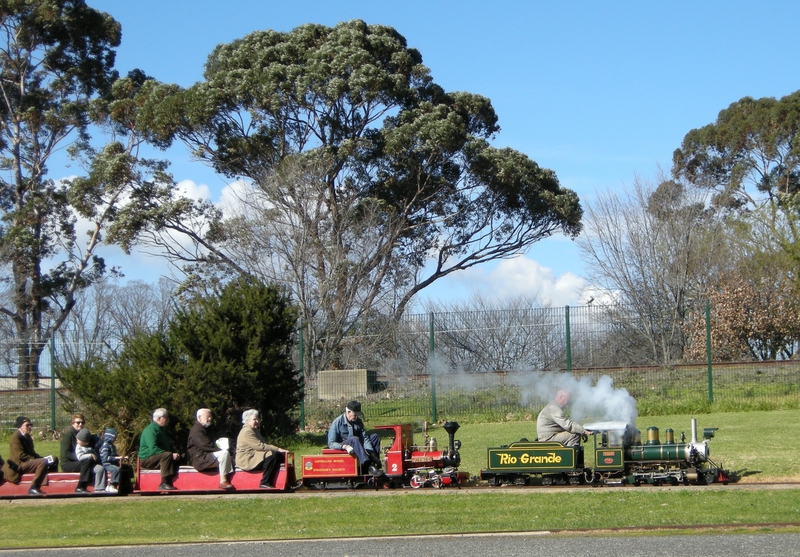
485	545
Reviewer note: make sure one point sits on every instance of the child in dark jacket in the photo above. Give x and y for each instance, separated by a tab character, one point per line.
110	459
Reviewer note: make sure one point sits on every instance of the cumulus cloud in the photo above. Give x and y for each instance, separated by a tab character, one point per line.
193	190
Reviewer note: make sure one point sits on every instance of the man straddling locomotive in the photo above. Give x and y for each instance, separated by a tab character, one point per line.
553	424
347	433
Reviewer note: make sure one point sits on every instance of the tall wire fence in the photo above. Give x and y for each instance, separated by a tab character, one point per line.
483	366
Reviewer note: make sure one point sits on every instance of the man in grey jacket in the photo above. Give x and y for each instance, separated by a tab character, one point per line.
553	424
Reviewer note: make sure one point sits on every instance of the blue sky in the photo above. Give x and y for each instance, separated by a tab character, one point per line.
600	92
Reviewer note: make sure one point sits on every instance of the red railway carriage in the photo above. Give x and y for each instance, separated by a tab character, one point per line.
404	464
56	483
189	480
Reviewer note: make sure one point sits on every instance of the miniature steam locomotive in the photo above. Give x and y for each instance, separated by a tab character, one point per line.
404	464
619	458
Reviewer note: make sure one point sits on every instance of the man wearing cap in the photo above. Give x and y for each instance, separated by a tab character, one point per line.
347	433
204	453
23	459
156	450
69	460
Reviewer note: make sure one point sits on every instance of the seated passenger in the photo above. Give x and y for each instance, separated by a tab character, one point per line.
112	462
204	453
85	451
553	424
23	459
156	450
253	453
347	432
69	459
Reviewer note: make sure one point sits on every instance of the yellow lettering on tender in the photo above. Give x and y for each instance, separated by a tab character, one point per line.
549	458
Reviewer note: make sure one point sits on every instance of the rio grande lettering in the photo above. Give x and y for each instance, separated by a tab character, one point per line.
525	458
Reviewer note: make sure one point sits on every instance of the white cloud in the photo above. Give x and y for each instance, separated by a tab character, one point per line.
508	278
193	190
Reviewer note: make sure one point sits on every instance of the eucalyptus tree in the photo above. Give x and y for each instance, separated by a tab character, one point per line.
750	159
57	81
368	180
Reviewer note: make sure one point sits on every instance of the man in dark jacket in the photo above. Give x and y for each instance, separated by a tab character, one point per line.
204	453
69	460
23	459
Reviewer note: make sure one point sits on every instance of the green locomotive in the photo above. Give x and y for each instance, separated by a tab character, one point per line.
620	458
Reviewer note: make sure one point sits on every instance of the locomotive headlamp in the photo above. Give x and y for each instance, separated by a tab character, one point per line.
457	444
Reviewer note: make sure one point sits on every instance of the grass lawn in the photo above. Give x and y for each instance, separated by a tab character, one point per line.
756	445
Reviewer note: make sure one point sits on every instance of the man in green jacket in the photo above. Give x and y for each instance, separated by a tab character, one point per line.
156	450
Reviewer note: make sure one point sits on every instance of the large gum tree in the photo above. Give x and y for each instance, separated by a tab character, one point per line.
366	181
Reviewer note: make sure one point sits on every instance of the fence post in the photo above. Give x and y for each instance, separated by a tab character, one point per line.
431	370
569	343
53	425
302	380
708	352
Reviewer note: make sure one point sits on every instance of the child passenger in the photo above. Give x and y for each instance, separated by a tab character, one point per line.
110	459
85	450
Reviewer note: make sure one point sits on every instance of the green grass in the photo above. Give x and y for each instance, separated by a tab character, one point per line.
152	520
755	444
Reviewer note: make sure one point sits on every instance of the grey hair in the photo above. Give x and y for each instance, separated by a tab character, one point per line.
202	411
247	414
159	413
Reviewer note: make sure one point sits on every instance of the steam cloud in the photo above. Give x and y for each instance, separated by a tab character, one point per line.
591	400
596	401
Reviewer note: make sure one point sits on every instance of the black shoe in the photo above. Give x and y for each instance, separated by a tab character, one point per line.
375	471
34	491
167	487
266	486
81	490
375	459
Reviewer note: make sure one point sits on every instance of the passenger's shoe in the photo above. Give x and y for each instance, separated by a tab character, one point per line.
167	487
266	486
225	485
35	491
111	489
81	490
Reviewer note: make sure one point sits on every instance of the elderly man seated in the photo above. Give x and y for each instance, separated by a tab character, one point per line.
156	450
204	454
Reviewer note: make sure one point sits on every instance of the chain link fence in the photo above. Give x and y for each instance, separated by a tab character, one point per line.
483	366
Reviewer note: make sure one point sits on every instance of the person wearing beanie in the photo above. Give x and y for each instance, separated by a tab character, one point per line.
111	461
85	451
69	458
347	433
23	459
156	450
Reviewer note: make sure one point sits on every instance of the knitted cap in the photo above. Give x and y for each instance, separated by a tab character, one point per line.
110	434
84	435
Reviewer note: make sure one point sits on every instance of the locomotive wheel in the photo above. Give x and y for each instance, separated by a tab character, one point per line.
415	483
710	477
437	483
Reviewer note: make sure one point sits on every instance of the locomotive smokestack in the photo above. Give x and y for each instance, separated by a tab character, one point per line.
694	431
451	428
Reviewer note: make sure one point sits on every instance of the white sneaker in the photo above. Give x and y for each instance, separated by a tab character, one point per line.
112	489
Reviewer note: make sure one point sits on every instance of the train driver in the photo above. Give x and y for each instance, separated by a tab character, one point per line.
347	433
554	425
